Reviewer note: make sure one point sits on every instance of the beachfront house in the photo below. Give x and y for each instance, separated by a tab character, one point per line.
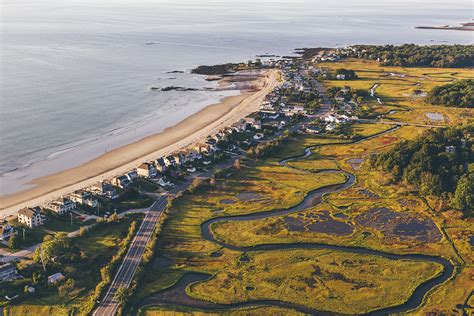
178	160
122	182
132	175
161	165
7	271
193	155
109	191
204	148
84	197
5	230
169	161
30	217
253	122
62	206
146	170
55	278
105	189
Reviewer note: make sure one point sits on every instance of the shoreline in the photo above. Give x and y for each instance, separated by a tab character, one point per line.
189	131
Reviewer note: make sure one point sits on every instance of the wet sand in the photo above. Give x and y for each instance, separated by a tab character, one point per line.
191	130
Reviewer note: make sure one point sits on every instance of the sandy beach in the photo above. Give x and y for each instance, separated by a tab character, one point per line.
191	130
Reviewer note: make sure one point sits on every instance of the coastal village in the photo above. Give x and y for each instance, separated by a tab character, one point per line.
299	105
291	105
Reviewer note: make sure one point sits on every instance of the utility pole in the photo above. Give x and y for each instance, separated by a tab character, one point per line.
41	257
23	234
70	213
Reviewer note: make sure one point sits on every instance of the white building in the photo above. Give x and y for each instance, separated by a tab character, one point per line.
146	170
7	272
62	206
30	217
55	278
5	230
85	198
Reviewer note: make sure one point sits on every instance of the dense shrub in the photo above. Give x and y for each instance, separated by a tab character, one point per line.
411	55
438	163
458	94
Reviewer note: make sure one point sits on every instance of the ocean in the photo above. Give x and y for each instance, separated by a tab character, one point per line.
75	75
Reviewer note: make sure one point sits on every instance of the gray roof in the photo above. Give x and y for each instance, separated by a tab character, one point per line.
28	212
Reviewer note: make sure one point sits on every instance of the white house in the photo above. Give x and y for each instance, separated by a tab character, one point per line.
165	182
161	165
450	149
55	278
132	175
84	197
5	230
146	170
62	206
169	161
105	189
122	182
30	217
7	271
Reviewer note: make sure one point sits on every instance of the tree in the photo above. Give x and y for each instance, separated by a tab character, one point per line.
14	242
82	231
121	295
51	248
237	164
464	195
114	217
67	288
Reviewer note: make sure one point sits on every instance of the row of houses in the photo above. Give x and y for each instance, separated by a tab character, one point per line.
200	154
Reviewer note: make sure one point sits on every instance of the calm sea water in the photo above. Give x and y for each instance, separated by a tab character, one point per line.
75	74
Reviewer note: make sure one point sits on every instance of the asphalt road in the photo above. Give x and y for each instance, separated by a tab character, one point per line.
124	276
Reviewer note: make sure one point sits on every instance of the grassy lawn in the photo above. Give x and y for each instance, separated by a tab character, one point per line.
128	200
146	185
58	223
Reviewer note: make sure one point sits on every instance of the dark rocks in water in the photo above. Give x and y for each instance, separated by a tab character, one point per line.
213	78
266	56
215	69
175	72
173	88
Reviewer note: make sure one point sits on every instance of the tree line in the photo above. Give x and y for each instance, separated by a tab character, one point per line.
411	55
438	163
458	94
